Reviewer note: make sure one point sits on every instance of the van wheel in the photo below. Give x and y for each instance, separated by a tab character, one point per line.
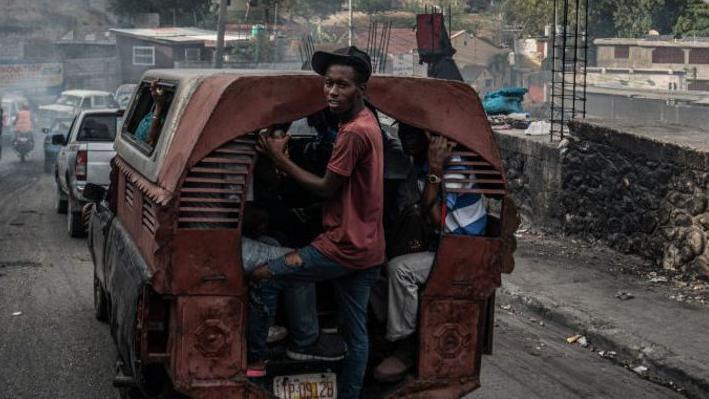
100	302
130	393
60	202
74	224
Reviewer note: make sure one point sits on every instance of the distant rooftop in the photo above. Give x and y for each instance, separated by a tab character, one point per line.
655	41
180	35
101	37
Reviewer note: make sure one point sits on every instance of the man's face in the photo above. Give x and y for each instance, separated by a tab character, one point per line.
341	88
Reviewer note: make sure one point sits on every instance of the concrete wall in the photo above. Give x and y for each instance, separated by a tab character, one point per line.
608	106
637	80
635	191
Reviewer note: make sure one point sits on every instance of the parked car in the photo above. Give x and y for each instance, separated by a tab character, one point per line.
61	126
84	157
124	93
71	102
165	236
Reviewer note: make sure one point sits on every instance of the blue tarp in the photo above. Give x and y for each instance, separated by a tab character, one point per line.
507	100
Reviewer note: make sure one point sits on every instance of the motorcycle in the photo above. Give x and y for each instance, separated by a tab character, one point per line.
23	144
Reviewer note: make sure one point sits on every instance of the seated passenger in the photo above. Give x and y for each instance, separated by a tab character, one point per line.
464	214
258	248
148	129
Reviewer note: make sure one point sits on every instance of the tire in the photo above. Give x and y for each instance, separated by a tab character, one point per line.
74	224
130	393
100	301
60	202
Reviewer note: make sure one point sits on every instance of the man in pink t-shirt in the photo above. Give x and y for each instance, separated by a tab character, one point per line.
351	246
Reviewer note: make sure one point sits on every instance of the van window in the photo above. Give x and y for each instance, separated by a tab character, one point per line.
98	128
143	127
72	101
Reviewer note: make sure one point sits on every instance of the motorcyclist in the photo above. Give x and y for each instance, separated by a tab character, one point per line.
23	129
23	123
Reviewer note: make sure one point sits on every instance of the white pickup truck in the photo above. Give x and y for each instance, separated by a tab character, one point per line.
71	102
85	157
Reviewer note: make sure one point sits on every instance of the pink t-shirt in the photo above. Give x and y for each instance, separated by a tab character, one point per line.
352	220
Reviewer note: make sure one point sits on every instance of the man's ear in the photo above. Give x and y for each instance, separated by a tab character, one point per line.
362	88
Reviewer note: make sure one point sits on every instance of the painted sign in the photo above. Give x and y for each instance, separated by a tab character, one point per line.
31	75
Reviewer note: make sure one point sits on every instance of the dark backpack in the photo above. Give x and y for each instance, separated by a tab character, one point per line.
411	232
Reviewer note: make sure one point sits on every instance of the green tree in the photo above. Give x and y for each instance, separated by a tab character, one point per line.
694	20
187	10
372	6
633	18
630	18
307	9
530	15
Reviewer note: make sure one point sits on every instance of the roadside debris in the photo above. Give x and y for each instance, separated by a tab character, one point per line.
624	296
572	339
17	313
641	370
661	279
506	307
607	354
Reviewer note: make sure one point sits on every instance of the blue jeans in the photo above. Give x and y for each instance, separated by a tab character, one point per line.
299	299
352	294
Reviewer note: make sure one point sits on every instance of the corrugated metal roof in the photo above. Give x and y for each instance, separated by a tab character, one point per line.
180	35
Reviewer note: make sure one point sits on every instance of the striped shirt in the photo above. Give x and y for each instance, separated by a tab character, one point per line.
465	213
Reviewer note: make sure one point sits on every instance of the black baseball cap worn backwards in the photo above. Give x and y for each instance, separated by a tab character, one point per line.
353	56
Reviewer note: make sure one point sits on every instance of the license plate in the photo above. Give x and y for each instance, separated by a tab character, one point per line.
306	386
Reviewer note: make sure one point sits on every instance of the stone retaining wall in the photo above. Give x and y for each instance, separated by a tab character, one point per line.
533	166
636	194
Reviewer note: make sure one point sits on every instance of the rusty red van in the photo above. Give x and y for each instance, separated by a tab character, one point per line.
165	237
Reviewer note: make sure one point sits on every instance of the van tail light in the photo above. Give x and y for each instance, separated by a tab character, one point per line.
80	165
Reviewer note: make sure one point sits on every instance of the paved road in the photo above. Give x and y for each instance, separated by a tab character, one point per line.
56	349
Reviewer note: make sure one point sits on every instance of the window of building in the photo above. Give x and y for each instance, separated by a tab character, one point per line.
667	55
704	86
143	55
699	56
621	52
193	54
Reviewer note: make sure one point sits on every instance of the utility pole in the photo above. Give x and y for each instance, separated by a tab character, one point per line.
219	53
350	7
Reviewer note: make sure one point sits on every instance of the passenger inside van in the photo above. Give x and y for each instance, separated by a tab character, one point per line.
261	242
455	214
150	125
351	247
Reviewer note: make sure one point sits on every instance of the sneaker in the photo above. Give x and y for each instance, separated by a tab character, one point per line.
394	368
328	348
256	369
276	334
